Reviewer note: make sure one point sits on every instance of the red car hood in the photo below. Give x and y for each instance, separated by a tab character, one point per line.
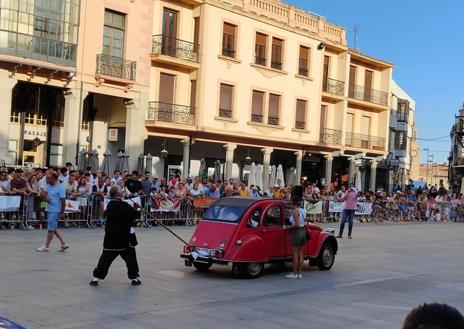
210	234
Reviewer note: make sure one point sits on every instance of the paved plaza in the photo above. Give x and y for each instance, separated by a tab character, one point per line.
378	276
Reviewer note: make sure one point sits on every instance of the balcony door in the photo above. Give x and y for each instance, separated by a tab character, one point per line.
349	129
169	31
368	85
365	131
166	97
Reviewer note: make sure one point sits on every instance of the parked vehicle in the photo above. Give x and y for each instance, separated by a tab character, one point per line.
250	233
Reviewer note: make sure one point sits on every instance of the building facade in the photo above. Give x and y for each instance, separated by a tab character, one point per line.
191	82
262	80
68	80
402	149
456	157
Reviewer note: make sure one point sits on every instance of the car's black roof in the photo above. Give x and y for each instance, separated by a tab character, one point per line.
236	201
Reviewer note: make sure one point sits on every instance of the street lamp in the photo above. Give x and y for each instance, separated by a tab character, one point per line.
427	164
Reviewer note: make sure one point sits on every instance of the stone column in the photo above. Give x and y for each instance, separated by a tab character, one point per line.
266	163
72	109
328	169
6	94
230	148
352	171
373	175
186	157
299	159
136	111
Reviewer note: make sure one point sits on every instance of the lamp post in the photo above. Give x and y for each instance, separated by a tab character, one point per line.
430	161
427	164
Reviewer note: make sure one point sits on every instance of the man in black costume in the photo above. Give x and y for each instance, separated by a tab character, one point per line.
119	238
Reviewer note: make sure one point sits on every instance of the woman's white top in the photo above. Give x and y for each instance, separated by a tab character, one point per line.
301	218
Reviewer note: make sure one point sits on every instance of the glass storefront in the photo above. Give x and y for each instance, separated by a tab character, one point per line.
44	30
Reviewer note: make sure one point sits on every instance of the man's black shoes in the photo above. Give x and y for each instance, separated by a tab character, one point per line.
136	282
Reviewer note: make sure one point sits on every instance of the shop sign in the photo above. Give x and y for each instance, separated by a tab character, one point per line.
31	133
113	134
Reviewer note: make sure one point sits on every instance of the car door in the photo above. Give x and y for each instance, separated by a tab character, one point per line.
272	232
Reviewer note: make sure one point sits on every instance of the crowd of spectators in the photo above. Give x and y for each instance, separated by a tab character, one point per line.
428	203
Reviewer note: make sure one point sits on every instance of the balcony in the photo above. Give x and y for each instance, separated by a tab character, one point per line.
368	95
365	141
331	136
334	87
225	113
273	121
402	116
257	118
171	113
169	50
115	68
300	125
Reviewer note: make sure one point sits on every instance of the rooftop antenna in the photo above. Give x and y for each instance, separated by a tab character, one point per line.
355	41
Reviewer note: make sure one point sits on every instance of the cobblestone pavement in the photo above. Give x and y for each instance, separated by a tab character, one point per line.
378	276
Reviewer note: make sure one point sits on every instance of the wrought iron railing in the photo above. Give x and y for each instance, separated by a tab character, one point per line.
333	86
365	141
300	125
166	112
228	52
274	121
402	116
116	67
257	118
225	113
276	65
260	60
167	45
369	95
331	136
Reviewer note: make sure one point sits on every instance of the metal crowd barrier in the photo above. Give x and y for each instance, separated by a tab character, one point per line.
13	211
28	211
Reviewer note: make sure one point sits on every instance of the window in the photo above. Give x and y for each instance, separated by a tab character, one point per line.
113	34
400	140
56	154
257	106
273	217
300	117
402	112
303	66
225	100
352	75
274	110
193	93
224	214
228	40
326	67
13	149
260	49
276	59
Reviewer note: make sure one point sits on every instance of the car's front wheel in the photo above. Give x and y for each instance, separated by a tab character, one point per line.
326	257
202	267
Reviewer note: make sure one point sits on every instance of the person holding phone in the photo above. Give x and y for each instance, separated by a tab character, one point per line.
350	204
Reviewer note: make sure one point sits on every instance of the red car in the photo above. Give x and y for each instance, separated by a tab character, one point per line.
249	233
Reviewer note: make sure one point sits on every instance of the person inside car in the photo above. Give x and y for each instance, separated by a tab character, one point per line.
254	219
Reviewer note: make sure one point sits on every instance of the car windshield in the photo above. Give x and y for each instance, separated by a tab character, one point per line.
224	213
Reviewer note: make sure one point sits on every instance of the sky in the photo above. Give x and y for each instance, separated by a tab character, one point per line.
425	40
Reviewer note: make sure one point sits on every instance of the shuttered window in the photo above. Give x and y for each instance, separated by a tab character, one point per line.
274	109
300	115
303	66
228	40
225	101
276	60
257	106
352	75
260	49
166	88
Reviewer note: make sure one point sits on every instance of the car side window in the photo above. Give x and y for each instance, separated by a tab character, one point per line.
273	217
288	213
254	218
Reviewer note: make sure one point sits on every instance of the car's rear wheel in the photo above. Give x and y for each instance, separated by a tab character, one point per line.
326	257
202	267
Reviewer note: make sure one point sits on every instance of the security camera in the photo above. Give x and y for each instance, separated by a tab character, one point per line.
321	46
